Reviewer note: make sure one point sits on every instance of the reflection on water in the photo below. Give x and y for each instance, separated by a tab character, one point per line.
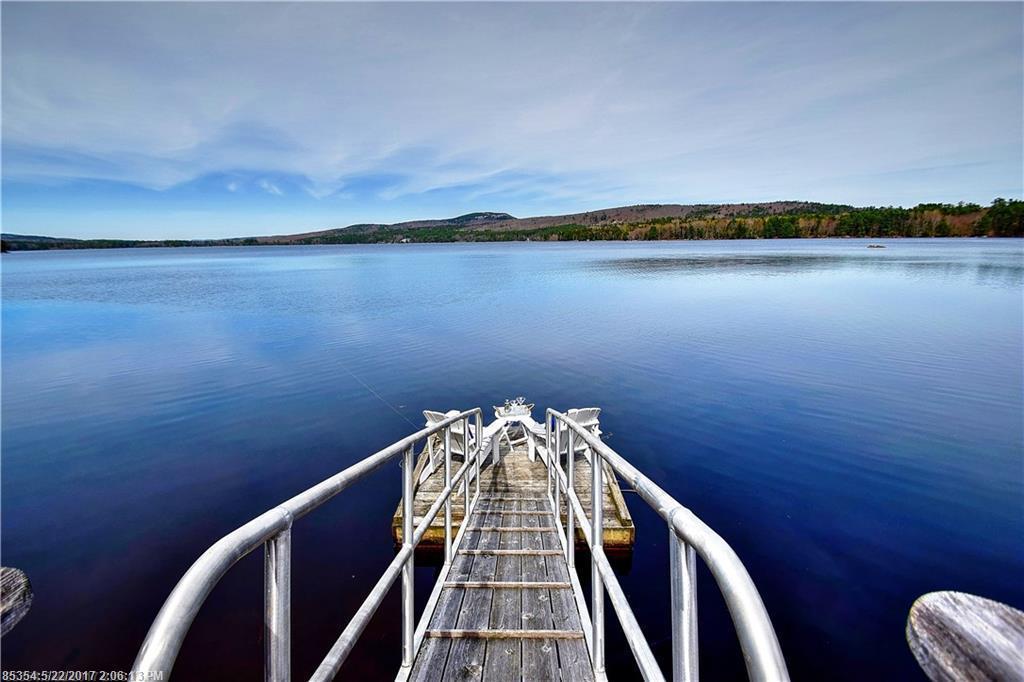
997	267
849	420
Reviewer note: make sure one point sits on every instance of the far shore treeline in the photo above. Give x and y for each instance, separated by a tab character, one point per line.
776	220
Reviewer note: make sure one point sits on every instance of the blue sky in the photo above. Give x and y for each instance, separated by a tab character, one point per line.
173	120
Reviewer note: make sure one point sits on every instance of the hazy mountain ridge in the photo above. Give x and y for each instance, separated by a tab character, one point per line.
616	215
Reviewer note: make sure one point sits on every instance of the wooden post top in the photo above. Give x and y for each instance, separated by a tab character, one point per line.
15	597
959	637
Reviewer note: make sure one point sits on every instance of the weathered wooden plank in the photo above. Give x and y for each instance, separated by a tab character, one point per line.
505	498
521	552
961	637
510	634
528	513
504	657
573	656
615	492
466	659
509	584
517	529
433	654
521	487
540	656
15	597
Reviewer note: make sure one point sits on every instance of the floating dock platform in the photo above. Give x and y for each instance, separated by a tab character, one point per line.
516	477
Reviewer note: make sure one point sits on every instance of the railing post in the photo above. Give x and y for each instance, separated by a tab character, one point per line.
547	448
558	463
469	471
479	449
408	616
448	500
683	573
277	606
597	546
570	526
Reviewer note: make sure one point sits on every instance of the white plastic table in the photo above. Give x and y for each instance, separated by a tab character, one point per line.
504	419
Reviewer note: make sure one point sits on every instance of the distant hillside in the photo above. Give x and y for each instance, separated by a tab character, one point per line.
771	220
34	239
468	221
503	222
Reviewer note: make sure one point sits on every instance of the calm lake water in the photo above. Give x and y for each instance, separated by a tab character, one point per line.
850	420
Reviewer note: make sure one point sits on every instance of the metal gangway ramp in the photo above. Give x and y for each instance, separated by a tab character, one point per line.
507	609
507	604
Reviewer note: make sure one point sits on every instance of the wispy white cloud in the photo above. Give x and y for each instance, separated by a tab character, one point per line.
545	107
270	188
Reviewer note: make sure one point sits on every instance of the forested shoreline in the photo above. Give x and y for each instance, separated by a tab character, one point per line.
1003	218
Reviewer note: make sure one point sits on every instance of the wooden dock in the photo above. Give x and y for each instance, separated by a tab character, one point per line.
509	607
515	476
506	603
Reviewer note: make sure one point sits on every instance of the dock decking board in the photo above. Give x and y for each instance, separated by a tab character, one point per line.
540	659
504	658
529	630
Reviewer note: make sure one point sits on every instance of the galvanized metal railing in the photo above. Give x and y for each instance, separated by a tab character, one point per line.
688	538
273	530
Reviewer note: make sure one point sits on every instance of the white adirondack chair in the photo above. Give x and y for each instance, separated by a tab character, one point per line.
586	417
435	444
